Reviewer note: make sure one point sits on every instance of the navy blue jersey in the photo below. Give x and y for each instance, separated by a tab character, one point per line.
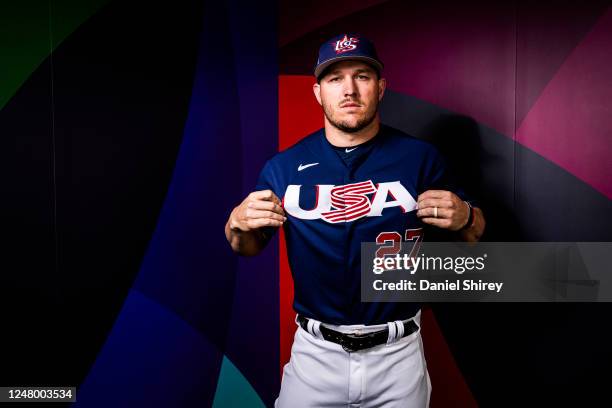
332	208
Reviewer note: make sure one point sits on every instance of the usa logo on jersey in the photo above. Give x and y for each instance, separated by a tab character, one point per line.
346	44
349	202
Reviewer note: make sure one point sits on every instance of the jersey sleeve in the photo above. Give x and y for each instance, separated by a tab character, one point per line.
268	180
438	176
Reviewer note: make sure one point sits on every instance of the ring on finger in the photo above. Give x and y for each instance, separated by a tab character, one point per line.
435	212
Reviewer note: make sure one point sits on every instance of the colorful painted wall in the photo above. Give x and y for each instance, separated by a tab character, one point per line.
130	129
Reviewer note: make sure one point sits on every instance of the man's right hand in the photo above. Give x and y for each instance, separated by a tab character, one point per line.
259	209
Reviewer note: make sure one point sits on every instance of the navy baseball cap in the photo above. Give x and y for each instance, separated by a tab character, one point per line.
347	47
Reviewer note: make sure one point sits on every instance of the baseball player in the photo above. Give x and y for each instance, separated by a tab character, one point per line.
353	181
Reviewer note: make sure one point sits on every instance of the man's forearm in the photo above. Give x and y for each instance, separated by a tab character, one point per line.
474	232
246	243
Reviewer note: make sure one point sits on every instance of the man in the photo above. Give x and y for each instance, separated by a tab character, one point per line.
353	181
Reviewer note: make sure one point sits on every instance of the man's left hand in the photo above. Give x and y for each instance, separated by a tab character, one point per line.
443	209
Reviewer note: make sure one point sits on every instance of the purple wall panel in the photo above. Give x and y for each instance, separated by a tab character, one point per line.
518	94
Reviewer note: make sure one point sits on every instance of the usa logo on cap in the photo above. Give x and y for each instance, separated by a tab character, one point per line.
345	44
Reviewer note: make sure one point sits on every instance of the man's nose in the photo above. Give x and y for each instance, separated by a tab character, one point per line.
350	88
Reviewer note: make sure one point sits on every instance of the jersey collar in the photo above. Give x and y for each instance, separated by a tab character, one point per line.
320	147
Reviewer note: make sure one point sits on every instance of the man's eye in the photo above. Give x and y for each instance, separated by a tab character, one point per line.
363	77
334	79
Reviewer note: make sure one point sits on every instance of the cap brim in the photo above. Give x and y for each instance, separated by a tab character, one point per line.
322	67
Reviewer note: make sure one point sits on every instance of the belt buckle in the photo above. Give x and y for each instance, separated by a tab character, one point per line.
351	347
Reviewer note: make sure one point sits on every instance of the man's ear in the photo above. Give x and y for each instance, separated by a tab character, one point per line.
316	88
382	85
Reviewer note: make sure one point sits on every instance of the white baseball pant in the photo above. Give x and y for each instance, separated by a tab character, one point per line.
322	374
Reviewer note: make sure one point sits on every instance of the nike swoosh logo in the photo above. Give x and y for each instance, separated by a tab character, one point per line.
349	150
305	166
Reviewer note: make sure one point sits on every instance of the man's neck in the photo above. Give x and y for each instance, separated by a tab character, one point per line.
340	138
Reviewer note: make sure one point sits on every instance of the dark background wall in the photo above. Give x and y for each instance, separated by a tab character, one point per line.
130	129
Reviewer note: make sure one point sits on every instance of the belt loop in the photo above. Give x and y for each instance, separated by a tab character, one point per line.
313	327
316	328
309	327
400	328
392	332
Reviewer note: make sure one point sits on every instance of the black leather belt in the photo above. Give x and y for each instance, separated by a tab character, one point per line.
356	342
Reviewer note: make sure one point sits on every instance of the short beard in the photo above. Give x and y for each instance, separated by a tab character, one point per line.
346	127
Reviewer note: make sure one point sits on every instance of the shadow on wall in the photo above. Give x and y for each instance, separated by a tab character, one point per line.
459	139
481	160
